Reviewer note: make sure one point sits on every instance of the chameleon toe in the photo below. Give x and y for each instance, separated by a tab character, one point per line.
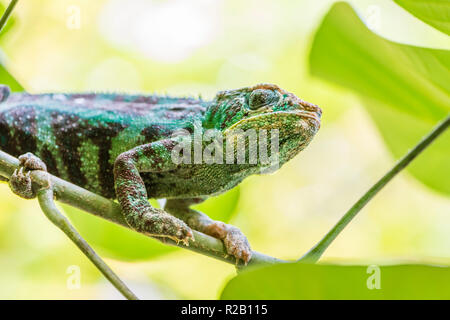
236	244
184	235
20	183
30	162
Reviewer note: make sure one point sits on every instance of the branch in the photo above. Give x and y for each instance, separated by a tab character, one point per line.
45	197
85	200
316	252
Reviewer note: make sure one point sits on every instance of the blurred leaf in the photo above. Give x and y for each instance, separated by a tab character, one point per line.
308	281
5	76
411	81
435	13
115	241
123	244
8	79
221	207
401	131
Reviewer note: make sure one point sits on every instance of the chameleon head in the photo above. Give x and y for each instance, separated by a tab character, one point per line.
266	106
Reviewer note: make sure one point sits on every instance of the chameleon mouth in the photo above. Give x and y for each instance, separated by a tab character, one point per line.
310	116
304	109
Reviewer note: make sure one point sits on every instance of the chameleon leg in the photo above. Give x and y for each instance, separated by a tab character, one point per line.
234	240
20	181
132	194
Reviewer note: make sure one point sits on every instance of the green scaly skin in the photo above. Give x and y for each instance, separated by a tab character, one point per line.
120	146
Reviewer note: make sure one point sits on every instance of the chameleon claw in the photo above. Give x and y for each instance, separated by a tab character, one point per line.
173	238
190	235
185	240
21	184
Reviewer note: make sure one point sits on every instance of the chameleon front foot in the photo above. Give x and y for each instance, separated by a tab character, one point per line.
30	162
20	181
173	228
234	240
236	244
161	224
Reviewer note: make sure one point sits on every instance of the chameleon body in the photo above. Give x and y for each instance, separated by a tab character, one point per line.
120	146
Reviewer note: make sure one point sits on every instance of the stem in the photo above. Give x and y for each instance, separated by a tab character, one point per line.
7	13
316	252
45	197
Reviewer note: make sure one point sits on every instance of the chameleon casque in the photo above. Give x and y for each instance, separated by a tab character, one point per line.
119	146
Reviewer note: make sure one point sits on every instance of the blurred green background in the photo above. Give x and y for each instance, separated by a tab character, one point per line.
199	47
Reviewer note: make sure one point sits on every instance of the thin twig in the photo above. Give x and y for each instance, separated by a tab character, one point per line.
7	13
316	252
45	197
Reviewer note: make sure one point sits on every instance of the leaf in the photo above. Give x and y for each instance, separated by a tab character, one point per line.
411	81
435	13
309	281
401	131
222	207
8	79
115	241
5	76
123	244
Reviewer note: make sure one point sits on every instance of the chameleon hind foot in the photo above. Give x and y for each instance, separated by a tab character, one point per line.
20	181
235	241
236	244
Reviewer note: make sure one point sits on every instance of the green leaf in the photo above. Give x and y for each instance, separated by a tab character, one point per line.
221	207
115	241
120	243
435	13
401	131
411	81
5	76
308	281
8	79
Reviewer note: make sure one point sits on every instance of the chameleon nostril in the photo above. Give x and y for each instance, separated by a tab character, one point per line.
319	112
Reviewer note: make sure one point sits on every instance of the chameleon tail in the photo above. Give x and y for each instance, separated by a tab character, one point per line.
4	92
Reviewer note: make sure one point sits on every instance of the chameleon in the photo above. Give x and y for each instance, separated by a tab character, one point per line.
121	147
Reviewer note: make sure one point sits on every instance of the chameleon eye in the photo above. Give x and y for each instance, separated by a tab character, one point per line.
261	97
